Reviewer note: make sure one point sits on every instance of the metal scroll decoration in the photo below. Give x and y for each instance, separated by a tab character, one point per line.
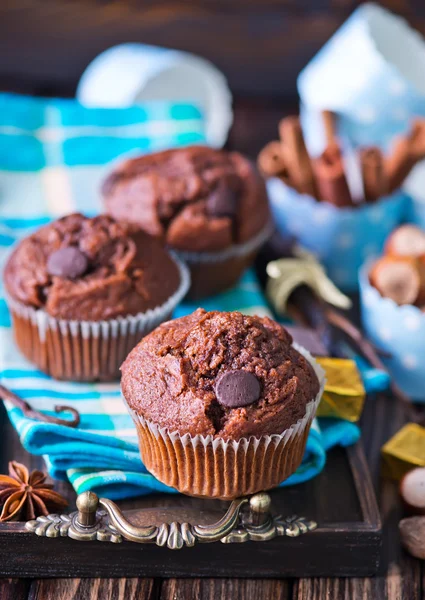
101	520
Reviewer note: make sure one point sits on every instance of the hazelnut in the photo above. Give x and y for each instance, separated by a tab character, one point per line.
412	533
398	278
412	490
407	240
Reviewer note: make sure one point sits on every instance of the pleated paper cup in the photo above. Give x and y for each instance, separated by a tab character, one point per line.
87	350
131	74
215	272
212	467
341	238
399	331
370	72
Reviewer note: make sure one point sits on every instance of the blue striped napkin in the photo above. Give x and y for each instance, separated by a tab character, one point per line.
52	159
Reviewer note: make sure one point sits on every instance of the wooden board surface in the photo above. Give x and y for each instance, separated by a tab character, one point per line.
400	577
341	499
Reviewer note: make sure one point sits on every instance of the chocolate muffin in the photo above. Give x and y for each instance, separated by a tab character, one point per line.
222	402
209	205
82	291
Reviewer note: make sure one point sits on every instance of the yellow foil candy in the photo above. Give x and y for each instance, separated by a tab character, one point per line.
405	450
286	274
344	393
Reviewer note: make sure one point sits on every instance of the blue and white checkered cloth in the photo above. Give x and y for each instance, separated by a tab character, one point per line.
52	159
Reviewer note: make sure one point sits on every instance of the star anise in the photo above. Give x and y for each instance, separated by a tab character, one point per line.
27	495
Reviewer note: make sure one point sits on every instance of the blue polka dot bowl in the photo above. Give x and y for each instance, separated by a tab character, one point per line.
416	211
341	238
400	332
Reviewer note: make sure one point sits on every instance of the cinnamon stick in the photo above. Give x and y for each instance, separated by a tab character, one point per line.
373	173
417	139
330	177
296	156
329	126
399	163
272	163
406	152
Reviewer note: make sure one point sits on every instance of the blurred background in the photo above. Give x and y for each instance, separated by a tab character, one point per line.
259	45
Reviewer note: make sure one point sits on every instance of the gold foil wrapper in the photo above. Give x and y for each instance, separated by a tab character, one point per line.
405	450
286	274
344	394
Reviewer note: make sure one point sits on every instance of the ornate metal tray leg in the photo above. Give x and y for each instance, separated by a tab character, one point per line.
101	519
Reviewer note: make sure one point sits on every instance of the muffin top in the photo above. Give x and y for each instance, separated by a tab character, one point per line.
196	199
221	374
90	269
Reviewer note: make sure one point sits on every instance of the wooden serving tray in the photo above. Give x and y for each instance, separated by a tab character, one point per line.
341	499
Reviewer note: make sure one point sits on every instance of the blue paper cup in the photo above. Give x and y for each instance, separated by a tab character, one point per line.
134	73
341	238
399	331
416	211
371	74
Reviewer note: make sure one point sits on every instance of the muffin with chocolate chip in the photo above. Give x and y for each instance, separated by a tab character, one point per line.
222	402
209	205
83	291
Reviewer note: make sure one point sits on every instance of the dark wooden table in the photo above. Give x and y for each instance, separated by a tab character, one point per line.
400	578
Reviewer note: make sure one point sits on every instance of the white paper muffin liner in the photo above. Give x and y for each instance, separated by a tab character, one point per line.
217	468
235	251
87	350
215	272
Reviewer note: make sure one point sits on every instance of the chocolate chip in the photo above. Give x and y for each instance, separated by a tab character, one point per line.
222	202
67	262
237	388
